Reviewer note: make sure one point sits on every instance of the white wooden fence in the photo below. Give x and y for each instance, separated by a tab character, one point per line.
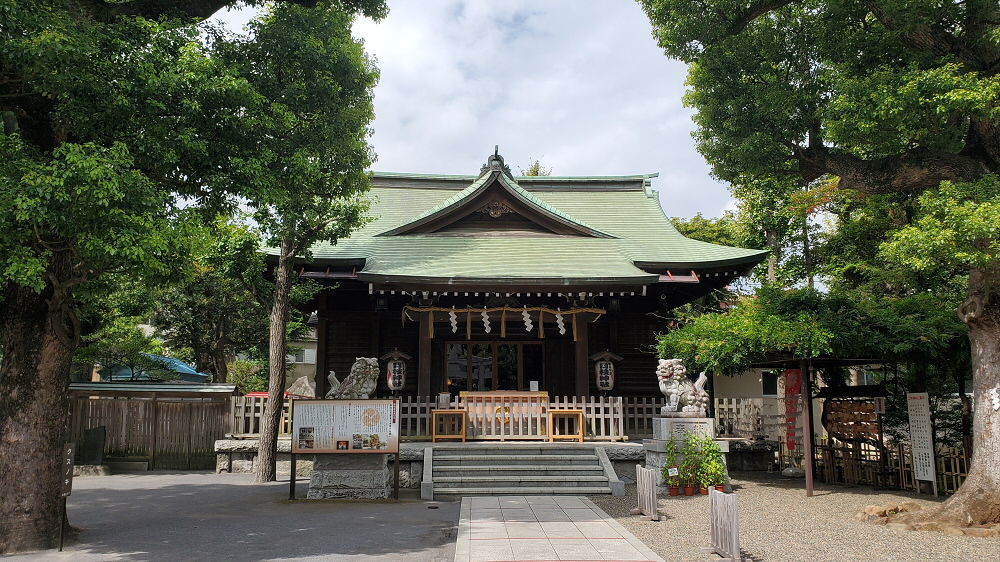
724	514
645	486
607	418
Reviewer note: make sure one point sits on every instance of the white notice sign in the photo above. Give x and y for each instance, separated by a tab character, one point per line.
921	435
345	426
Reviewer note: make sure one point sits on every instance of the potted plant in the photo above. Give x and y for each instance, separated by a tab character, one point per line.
712	471
671	472
691	451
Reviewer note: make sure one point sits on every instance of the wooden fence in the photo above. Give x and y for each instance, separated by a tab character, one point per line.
608	418
861	463
725	519
168	433
645	488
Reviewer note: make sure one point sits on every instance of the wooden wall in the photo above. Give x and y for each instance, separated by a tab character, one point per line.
355	329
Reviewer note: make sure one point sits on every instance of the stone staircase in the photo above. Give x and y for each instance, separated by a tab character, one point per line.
517	469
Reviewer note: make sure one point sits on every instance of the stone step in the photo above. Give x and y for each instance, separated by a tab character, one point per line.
522	491
518	450
119	467
516	469
520	481
518	459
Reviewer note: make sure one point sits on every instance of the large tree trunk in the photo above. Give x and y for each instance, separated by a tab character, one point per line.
220	366
267	448
978	499
34	415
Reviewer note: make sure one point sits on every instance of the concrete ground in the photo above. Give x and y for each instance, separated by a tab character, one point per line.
204	516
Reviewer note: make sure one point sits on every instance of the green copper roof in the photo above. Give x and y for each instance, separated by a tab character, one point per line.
630	240
512	188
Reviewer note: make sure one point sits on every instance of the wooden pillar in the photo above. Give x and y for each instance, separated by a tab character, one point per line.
807	426
424	357
322	343
580	352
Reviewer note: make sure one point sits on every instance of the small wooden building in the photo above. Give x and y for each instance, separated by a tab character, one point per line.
496	282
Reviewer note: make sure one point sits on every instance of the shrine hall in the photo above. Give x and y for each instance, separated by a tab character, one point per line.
496	282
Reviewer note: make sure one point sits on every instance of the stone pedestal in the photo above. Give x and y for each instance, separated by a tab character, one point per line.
676	426
350	476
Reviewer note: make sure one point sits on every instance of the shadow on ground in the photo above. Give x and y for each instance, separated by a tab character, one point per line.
200	516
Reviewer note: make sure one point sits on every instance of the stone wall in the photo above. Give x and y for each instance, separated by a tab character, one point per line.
244	455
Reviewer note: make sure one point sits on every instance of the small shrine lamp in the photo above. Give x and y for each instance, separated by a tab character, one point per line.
395	370
604	370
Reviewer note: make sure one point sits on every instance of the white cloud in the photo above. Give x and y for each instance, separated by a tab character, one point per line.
580	85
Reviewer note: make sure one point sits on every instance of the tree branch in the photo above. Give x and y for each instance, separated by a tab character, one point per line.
754	11
909	172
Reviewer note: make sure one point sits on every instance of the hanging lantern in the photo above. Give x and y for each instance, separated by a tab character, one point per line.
395	370
604	370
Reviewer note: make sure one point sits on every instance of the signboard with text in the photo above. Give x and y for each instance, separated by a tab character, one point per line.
921	435
345	426
66	486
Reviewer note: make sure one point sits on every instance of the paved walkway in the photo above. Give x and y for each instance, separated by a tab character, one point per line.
542	528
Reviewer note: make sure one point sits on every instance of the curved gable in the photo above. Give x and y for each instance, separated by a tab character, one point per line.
495	204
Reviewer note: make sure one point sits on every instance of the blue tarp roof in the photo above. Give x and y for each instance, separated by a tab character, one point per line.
173	369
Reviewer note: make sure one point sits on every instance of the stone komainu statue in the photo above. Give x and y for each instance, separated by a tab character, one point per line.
360	384
682	395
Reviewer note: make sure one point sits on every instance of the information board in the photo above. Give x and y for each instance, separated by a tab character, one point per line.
921	435
345	426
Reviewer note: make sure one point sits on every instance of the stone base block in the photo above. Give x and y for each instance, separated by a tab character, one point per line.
666	427
90	470
350	476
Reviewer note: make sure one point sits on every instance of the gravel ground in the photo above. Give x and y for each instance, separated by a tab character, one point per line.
779	523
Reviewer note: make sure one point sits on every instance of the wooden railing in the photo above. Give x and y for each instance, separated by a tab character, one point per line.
639	412
608	418
248	411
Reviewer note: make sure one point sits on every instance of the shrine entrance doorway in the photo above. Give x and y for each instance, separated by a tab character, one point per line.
493	365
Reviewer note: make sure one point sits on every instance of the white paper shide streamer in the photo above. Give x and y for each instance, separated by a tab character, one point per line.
486	322
560	324
528	326
453	318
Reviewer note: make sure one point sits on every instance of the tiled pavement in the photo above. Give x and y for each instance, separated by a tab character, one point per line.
542	528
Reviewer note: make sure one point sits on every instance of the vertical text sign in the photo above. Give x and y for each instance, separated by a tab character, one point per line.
67	469
921	435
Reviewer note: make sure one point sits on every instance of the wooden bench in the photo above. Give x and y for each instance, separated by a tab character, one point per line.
452	423
556	416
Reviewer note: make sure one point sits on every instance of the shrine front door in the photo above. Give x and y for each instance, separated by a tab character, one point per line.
493	365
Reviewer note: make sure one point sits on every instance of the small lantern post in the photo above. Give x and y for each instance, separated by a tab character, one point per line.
395	370
604	370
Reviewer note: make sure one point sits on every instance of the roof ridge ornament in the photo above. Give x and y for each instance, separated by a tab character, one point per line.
495	163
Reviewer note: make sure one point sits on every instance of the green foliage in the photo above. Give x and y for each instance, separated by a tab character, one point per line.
724	230
536	169
248	376
712	468
956	227
773	81
215	309
691	461
771	323
670	461
121	343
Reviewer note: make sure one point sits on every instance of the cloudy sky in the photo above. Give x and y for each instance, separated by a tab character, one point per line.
580	86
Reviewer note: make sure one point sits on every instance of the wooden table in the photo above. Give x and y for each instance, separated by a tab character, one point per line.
555	416
452	421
